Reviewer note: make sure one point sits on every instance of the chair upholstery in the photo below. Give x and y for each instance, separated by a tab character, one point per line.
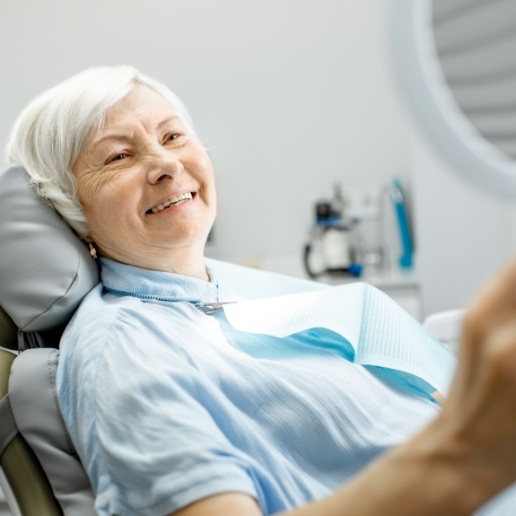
44	475
36	413
45	270
29	488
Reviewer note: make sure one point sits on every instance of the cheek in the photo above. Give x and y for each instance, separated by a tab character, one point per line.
202	162
88	191
104	209
209	177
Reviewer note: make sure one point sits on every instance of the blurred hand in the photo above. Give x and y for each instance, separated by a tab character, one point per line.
479	417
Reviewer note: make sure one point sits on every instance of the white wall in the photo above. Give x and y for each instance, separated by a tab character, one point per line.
464	234
290	95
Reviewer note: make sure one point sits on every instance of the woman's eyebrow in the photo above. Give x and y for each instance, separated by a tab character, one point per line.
168	120
119	137
114	137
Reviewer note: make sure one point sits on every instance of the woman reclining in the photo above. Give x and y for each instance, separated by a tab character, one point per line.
172	411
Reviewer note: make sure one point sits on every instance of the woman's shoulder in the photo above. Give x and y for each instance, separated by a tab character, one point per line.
99	307
111	323
97	320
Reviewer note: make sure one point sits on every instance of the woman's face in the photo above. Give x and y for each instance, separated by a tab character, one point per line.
146	185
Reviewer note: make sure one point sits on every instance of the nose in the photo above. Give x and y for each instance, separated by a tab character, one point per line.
163	164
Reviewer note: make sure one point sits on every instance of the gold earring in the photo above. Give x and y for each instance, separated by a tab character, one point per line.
93	251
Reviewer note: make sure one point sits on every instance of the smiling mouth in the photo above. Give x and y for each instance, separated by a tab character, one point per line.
173	201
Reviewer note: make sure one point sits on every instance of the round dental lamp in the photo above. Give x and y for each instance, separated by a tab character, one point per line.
455	62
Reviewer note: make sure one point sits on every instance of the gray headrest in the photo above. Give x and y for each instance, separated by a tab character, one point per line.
45	270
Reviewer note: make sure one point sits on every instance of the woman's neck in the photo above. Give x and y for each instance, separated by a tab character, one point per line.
187	262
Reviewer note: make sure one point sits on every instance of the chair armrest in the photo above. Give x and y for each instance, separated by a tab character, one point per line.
446	326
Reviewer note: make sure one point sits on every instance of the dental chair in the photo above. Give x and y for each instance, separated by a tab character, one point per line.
44	274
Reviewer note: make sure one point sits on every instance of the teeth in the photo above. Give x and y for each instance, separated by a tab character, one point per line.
178	199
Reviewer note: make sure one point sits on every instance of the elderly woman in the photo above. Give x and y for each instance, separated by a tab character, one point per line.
173	412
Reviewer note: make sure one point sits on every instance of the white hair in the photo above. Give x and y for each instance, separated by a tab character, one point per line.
49	133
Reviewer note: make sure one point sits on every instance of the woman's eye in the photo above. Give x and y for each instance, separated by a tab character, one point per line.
173	136
117	157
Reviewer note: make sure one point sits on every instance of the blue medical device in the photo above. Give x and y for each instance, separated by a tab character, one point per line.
398	201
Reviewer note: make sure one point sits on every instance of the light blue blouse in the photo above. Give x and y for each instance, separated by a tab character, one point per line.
167	404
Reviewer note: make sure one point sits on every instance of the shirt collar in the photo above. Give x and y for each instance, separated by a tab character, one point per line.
124	279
